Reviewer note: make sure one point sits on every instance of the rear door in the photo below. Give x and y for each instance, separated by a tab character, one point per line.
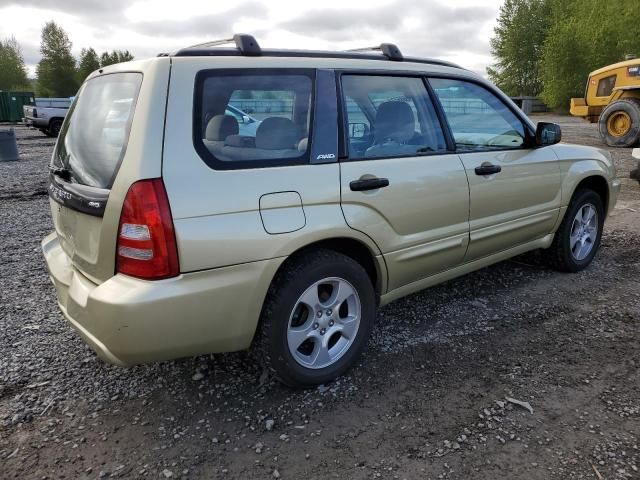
399	183
100	151
240	195
515	188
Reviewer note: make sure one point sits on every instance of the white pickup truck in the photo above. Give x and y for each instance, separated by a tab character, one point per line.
47	114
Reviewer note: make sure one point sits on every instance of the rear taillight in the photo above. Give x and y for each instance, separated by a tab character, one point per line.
146	239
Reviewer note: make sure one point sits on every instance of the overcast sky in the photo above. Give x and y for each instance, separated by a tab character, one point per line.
456	30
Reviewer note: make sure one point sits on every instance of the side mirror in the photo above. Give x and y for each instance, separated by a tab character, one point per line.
246	119
358	130
548	134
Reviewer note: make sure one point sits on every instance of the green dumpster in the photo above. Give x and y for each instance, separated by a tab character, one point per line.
11	104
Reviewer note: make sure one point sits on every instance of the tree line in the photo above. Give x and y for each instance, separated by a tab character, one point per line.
58	73
547	48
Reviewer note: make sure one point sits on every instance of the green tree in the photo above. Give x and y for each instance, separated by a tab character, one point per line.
57	69
116	56
585	35
88	63
517	46
13	73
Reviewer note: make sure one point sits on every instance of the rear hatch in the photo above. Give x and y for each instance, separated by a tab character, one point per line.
88	156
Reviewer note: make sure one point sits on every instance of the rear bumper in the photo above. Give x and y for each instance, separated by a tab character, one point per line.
129	321
36	122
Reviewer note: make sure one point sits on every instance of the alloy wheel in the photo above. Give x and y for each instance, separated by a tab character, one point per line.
324	323
584	232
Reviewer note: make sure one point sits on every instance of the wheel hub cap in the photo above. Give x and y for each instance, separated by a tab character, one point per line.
584	232
619	124
324	323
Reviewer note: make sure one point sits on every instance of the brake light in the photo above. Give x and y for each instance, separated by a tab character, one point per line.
146	246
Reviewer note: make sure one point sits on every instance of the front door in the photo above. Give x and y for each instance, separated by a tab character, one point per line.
515	189
399	184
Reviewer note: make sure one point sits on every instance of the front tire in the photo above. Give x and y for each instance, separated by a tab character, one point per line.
317	318
578	238
619	123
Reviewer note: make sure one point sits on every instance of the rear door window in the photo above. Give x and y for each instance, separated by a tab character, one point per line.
389	116
94	137
250	119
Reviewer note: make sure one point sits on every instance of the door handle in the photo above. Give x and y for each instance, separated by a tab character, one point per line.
368	184
488	169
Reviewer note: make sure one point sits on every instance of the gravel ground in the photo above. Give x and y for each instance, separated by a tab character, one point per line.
438	393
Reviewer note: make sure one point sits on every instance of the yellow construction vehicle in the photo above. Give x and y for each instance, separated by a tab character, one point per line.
612	98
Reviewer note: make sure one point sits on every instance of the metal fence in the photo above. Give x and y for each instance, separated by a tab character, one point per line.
252	106
464	106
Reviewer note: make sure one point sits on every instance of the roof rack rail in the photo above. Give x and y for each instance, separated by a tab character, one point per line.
389	50
246	44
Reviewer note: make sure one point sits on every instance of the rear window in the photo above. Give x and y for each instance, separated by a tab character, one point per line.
253	118
95	134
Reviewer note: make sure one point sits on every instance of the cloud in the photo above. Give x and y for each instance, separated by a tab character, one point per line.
202	25
423	27
85	8
457	30
344	24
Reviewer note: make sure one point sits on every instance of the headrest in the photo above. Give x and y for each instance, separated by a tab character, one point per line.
302	144
220	127
243	141
276	133
394	121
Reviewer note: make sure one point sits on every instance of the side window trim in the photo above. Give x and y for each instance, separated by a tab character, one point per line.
526	123
196	127
343	151
442	118
323	134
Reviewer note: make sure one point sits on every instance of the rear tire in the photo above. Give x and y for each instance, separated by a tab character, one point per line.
619	123
578	238
316	319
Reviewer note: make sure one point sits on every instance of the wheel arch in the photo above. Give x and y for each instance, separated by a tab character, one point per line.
595	181
598	184
351	247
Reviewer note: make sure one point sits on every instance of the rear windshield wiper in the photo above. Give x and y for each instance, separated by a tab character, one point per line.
61	172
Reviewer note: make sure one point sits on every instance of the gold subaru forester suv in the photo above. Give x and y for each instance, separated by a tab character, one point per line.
218	198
